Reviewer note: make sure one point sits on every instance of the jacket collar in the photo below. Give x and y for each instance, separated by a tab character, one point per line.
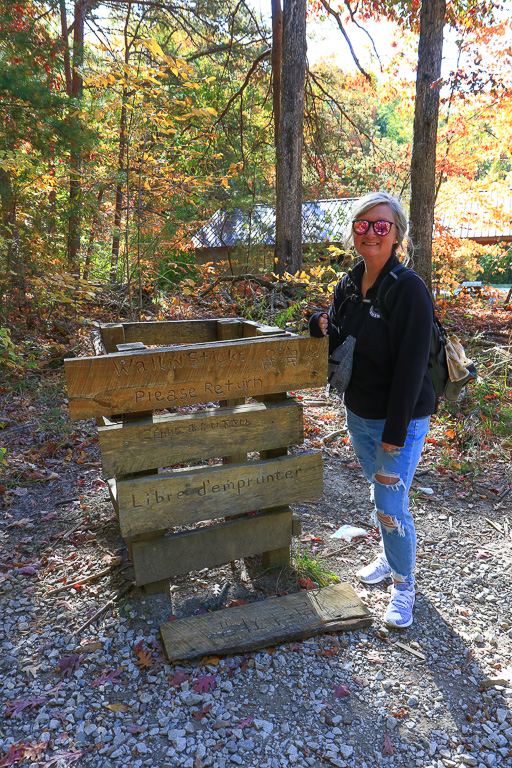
355	275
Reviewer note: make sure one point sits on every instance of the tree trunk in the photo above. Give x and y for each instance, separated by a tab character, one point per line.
423	160
277	44
92	233
14	266
118	213
288	248
75	176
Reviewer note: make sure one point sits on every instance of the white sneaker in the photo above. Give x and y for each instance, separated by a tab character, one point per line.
374	572
399	612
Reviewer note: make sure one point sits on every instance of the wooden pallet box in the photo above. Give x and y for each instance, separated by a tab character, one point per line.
148	388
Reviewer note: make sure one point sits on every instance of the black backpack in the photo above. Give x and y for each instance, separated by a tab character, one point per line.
437	365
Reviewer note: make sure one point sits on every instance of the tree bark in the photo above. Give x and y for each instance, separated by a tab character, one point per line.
288	247
118	213
426	114
75	176
277	45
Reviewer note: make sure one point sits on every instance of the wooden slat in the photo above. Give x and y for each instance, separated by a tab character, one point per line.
112	334
171	332
209	547
252	329
184	497
165	440
156	379
270	622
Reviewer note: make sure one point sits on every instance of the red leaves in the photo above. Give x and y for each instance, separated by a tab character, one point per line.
68	664
341	691
245	722
145	658
15	707
107	676
179	678
204	684
202	712
308	584
15	755
481	554
67	757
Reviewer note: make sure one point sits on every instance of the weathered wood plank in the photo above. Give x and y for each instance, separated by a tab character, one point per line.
156	379
209	547
188	496
165	440
269	622
112	334
171	332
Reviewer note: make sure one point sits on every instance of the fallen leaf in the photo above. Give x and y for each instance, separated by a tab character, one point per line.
341	691
134	728
245	722
202	712
481	554
117	707
144	657
68	664
107	676
67	757
15	707
204	684
387	747
179	678
308	584
309	537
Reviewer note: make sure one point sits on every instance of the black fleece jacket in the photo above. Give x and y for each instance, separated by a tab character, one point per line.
390	378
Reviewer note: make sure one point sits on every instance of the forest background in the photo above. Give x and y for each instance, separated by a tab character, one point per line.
125	126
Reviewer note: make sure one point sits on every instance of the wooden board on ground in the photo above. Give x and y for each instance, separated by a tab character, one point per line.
270	622
188	496
130	382
211	546
168	439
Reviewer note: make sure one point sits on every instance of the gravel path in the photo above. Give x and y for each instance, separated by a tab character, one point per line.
437	694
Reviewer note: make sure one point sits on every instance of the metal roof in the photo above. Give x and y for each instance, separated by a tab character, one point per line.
322	221
489	218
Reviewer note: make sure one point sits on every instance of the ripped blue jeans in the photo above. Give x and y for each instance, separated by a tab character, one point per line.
391	501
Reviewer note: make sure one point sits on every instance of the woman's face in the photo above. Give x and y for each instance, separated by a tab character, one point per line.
376	249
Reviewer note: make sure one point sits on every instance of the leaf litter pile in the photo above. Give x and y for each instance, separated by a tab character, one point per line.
85	679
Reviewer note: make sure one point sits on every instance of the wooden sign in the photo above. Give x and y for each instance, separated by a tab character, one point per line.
167	439
213	545
128	382
183	497
266	623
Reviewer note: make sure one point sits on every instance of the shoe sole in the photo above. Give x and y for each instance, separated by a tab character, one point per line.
397	626
373	581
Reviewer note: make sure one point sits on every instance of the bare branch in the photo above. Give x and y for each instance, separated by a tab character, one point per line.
253	68
345	115
336	15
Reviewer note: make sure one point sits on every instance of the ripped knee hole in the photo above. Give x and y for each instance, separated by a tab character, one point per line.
387	479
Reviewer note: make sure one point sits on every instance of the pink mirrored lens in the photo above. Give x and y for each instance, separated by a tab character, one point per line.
381	227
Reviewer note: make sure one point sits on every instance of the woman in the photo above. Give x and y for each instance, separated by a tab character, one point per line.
390	397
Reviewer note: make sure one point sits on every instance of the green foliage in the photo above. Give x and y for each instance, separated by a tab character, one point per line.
309	566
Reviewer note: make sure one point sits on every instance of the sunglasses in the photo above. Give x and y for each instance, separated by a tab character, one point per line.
381	227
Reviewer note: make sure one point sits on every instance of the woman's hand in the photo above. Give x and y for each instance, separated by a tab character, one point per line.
388	447
323	323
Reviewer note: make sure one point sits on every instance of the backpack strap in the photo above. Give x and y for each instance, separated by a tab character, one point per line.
384	289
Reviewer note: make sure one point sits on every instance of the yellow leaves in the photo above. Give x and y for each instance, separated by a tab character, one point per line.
98	114
117	707
224	182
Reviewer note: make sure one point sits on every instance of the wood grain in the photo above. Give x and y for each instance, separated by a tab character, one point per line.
267	623
210	546
188	496
168	439
175	376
